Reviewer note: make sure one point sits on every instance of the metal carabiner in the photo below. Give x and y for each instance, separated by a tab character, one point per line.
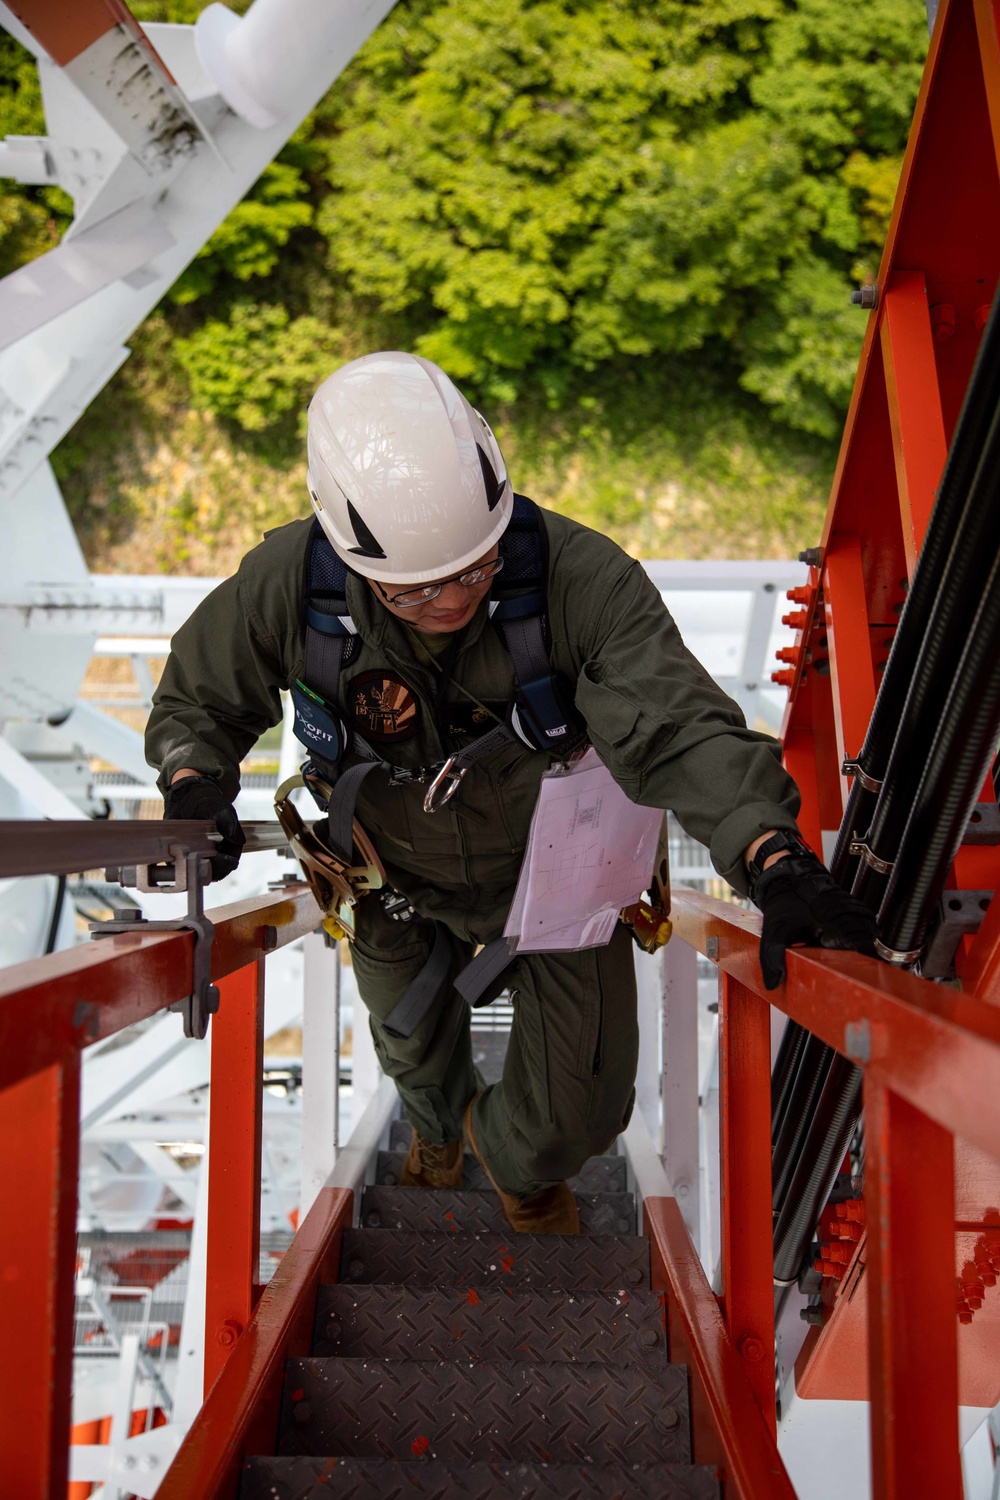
454	779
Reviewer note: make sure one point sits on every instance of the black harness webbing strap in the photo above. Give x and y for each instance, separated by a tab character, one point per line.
476	983
418	997
343	800
344	796
324	650
525	642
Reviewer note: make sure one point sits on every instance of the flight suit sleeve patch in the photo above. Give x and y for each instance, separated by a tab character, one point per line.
382	707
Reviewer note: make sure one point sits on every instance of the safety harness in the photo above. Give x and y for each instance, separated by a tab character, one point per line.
540	714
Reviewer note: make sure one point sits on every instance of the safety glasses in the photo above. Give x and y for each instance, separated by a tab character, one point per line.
409	597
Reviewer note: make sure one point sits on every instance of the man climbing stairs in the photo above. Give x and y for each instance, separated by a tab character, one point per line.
456	1358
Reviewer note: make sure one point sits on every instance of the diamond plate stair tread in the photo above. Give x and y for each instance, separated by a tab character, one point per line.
386	1479
396	1322
601	1174
515	1261
446	1210
548	1413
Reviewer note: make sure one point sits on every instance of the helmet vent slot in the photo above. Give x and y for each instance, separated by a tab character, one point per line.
367	542
494	486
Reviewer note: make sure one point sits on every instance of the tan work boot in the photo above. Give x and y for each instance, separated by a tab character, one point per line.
432	1165
552	1211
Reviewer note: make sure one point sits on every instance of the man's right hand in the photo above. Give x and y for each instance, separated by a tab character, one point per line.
196	796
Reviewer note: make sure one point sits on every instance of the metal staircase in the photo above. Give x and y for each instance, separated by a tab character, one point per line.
456	1358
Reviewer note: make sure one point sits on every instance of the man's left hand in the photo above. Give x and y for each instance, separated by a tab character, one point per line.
802	904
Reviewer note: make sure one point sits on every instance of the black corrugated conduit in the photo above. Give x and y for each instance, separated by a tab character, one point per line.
926	602
819	1161
966	572
785	1067
803	1095
963	748
924	770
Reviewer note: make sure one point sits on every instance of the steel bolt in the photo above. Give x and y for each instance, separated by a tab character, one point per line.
751	1347
799	595
812	556
865	296
229	1333
795	619
649	1338
302	1411
356	1269
269	938
634	1276
670	1419
943	321
784	678
373	1221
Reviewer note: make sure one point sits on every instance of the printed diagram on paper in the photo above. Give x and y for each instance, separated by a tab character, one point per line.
564	860
590	852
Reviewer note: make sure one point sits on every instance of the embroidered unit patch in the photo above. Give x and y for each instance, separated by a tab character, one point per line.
382	707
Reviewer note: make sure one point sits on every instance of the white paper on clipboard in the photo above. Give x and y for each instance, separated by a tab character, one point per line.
590	852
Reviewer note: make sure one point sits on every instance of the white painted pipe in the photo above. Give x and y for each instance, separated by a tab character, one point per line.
263	63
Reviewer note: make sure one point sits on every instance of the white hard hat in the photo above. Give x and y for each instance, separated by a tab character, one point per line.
405	476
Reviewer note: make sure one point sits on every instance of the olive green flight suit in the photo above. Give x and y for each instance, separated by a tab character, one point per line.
669	736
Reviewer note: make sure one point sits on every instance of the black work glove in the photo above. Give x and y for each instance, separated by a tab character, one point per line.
200	797
802	904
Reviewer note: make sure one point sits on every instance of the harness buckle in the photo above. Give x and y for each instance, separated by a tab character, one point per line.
447	774
410	775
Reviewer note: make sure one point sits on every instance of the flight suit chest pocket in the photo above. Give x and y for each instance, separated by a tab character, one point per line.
624	729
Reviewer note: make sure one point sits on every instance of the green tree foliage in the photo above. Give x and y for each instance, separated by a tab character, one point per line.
541	193
258	364
249	242
543	188
31	219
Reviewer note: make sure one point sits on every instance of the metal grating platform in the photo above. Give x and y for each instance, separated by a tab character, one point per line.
384	1479
400	1322
408	1258
445	1211
538	1413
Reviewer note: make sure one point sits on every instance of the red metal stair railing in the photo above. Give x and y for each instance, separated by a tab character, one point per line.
50	1010
931	1062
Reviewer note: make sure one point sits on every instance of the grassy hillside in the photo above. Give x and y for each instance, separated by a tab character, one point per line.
666	460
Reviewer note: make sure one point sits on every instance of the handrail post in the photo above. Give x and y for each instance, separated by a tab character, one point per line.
235	1110
912	1313
745	1142
39	1126
320	1065
679	1135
